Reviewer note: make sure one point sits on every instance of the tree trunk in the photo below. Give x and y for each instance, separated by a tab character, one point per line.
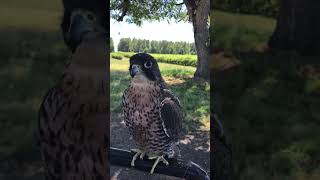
198	11
298	27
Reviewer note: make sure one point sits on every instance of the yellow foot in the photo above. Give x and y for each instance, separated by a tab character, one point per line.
159	158
138	152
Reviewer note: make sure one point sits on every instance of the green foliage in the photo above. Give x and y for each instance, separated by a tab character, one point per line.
262	7
124	44
185	60
161	47
192	94
237	32
139	11
116	56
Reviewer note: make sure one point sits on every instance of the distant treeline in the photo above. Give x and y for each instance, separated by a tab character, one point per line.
262	7
160	47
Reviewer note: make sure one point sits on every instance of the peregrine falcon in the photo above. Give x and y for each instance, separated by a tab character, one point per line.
152	113
73	117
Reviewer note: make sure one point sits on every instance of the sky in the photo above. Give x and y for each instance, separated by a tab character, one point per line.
155	30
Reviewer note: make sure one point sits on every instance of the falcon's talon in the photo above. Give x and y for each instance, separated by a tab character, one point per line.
138	152
159	158
142	155
135	150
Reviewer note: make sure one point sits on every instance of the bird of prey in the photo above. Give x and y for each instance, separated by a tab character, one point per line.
152	113
74	114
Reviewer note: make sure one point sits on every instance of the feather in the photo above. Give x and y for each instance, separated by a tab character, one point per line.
171	115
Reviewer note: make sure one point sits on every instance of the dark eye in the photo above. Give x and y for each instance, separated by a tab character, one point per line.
90	17
148	64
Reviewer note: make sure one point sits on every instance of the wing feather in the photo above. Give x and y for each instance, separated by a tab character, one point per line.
171	115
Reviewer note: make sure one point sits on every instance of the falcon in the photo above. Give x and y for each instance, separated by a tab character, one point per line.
73	117
152	113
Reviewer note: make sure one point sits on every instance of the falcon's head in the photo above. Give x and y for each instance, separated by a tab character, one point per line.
82	20
144	64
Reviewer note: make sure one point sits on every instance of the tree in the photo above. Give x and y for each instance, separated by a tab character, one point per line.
111	45
124	44
298	27
133	45
197	11
193	49
154	46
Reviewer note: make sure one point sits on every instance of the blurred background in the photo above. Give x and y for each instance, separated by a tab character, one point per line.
32	56
172	44
266	86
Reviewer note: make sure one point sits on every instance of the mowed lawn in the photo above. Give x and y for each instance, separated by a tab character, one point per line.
194	95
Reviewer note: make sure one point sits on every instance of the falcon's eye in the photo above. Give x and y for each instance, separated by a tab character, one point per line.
91	17
148	64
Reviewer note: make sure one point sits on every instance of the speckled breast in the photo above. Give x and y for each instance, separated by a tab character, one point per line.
142	103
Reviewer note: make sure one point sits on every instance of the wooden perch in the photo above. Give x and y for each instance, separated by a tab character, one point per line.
176	168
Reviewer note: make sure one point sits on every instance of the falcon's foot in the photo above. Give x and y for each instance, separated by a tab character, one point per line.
138	152
159	158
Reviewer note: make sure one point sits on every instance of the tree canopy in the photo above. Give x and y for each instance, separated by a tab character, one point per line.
139	11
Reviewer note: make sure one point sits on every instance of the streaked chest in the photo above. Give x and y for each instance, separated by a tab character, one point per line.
142	103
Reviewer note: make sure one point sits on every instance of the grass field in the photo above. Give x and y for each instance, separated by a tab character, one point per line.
236	32
194	95
32	56
33	14
268	102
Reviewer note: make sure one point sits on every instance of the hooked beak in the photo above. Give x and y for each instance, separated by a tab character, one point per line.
135	69
78	29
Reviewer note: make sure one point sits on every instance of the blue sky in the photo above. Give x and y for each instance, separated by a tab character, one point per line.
155	30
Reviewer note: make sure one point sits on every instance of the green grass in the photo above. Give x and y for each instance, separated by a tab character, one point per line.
33	14
270	112
179	59
240	32
27	69
193	95
268	103
32	56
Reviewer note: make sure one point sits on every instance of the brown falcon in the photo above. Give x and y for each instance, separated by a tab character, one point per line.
73	117
152	113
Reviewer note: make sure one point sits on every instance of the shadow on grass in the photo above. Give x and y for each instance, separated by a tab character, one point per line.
269	106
